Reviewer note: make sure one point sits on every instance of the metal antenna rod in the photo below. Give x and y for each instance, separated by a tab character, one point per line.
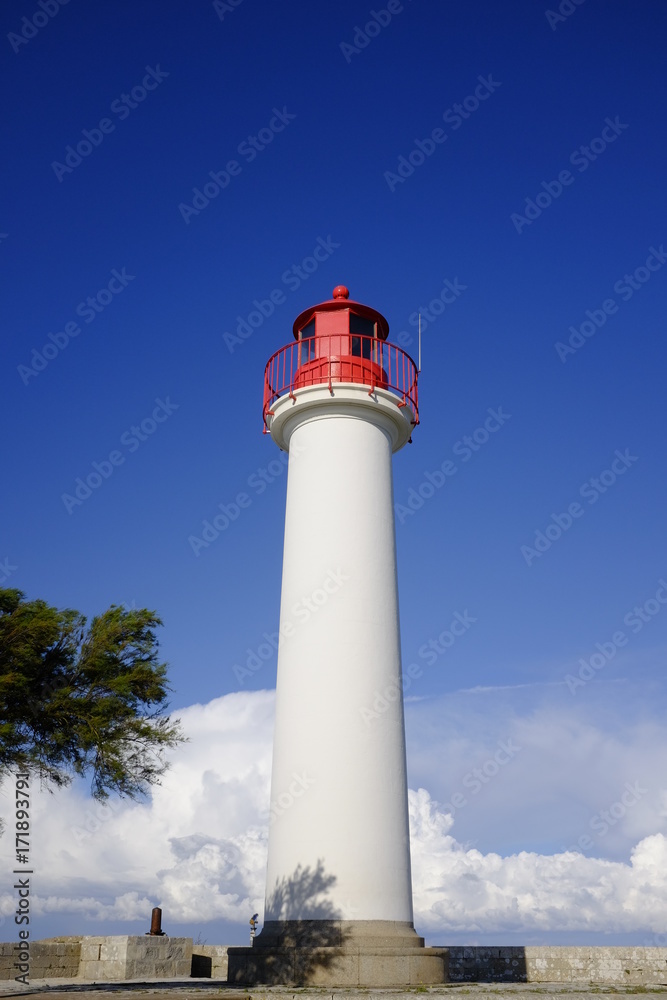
419	364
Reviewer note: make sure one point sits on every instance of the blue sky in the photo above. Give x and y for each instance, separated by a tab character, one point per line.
540	200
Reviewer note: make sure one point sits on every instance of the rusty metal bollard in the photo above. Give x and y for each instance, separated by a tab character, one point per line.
156	923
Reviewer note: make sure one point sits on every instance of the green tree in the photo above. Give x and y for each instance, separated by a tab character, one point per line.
83	700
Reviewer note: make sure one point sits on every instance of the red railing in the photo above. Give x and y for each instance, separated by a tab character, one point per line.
326	360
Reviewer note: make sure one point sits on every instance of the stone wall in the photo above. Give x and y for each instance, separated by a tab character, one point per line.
52	958
636	966
209	961
106	959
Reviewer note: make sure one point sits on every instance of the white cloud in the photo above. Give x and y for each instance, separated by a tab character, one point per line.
198	847
573	767
457	889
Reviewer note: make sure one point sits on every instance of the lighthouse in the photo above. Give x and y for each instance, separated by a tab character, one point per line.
340	400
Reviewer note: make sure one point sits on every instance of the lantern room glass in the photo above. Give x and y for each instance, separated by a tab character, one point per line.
365	329
307	343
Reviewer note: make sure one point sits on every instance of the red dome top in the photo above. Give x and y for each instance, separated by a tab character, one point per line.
340	301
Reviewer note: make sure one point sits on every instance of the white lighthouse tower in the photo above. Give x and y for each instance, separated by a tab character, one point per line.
340	400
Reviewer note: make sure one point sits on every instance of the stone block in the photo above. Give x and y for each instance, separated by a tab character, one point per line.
112	969
135	948
87	970
209	961
178	950
113	949
135	957
90	950
383	970
343	969
429	968
220	964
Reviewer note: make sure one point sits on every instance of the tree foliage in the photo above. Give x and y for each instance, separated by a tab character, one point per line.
79	699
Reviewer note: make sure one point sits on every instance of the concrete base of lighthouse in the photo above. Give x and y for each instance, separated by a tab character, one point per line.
371	953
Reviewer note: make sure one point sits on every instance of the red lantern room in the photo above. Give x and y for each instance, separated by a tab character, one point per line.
341	341
342	336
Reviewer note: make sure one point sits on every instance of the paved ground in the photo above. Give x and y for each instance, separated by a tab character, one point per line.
207	989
